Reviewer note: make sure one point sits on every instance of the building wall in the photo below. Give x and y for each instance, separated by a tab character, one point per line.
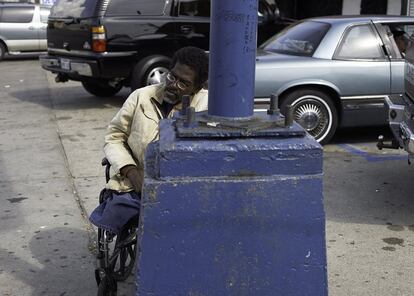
390	7
318	8
351	7
410	7
394	7
300	9
374	6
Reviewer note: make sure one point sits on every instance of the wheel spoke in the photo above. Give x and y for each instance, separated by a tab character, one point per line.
312	115
156	75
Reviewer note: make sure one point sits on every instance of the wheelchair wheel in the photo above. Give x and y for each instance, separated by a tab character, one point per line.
107	287
123	258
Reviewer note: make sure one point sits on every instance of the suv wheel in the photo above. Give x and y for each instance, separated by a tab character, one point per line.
2	51
101	88
149	71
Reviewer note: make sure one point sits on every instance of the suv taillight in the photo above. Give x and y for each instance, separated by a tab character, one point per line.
98	39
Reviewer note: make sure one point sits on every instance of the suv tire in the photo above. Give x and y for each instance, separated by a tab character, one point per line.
149	71
101	88
2	50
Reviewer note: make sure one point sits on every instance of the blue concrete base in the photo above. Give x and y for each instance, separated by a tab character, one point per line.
256	227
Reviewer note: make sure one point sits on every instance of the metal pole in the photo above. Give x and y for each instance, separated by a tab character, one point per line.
233	43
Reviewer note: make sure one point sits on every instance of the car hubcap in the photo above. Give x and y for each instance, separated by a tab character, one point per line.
156	75
314	115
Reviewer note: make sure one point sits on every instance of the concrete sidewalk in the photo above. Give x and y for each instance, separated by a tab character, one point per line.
45	240
82	138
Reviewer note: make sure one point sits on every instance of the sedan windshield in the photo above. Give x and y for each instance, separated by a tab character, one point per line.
301	39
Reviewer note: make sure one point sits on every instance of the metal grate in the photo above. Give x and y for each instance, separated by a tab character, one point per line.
410	7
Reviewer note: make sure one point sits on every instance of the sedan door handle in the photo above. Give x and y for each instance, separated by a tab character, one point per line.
31	28
186	29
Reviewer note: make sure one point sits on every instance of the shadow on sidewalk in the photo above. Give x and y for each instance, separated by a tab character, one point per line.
62	264
68	98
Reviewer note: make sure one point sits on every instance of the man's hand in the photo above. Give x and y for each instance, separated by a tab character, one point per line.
132	173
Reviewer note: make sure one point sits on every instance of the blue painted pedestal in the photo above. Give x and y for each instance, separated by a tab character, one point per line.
232	217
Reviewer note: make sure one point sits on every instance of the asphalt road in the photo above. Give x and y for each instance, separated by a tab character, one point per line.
51	138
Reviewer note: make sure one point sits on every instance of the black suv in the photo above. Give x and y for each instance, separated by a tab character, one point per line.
110	44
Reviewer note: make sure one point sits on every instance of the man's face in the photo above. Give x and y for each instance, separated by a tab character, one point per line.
400	41
179	82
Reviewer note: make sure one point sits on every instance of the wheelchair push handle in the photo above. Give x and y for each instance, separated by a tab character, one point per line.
105	162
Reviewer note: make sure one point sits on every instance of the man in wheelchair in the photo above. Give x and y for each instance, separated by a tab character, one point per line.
136	125
127	137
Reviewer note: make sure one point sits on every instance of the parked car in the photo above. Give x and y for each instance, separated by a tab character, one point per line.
400	110
335	71
22	28
110	44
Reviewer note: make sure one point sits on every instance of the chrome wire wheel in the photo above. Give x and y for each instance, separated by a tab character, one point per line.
314	115
156	75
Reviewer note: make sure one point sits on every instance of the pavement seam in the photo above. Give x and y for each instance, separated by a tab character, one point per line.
89	227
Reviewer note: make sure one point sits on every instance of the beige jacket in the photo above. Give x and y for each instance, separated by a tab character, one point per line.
134	127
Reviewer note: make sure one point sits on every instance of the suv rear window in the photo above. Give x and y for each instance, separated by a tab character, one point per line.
201	8
302	39
194	8
16	14
74	8
44	14
134	7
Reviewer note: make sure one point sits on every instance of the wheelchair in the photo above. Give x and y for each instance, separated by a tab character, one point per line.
115	253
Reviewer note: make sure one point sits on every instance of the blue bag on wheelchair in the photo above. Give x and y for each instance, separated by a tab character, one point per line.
116	210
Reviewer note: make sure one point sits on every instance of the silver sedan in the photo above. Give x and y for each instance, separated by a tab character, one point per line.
335	71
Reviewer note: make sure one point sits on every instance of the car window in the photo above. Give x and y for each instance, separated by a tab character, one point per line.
360	42
302	39
202	8
74	8
134	7
44	14
399	35
17	14
194	8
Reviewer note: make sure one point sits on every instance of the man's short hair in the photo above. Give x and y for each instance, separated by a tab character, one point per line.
398	31
194	57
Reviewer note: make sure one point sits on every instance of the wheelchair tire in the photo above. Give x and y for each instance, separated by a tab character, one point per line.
107	287
123	262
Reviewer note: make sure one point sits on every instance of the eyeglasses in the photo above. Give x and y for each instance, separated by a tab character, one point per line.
171	78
